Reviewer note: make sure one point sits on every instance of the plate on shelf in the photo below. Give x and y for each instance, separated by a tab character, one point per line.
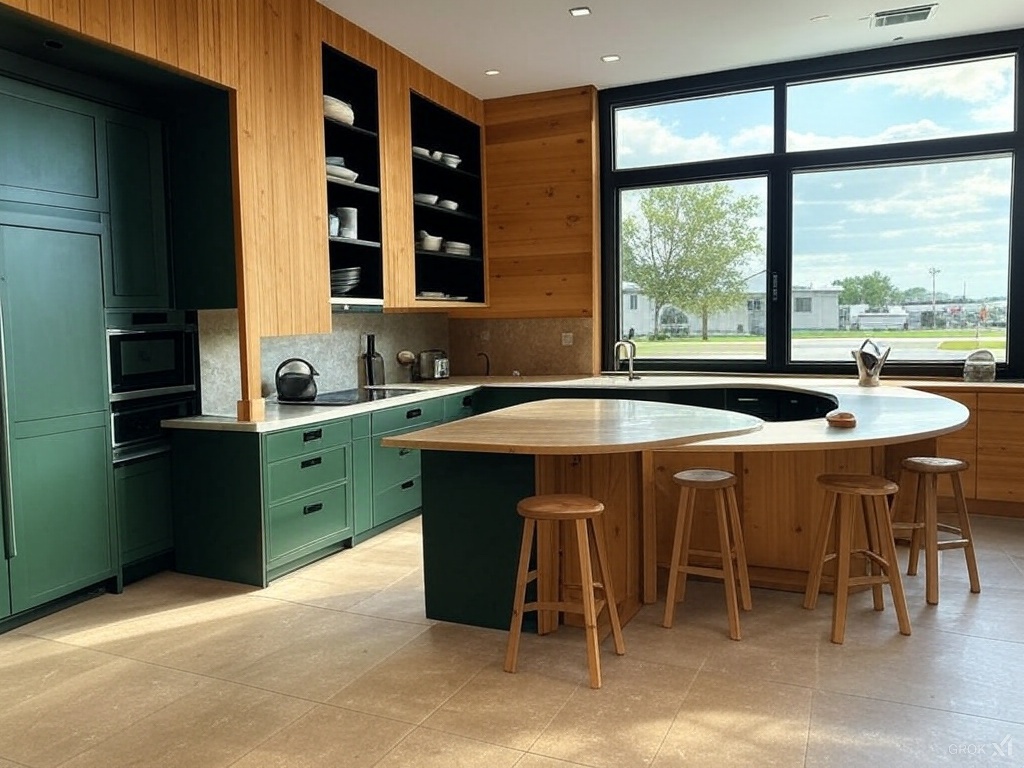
341	172
336	109
421	151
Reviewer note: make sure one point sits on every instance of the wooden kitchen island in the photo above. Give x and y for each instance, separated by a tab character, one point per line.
622	447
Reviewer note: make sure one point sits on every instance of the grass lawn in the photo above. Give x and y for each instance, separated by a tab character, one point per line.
967	344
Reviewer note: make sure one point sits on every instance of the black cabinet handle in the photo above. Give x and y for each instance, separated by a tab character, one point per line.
467	401
408	484
404	451
414	413
309	509
312	462
313	434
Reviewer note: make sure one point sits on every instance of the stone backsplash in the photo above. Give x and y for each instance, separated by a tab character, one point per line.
531	346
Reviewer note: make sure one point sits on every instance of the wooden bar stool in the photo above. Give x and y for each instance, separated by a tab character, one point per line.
730	537
587	515
926	471
842	492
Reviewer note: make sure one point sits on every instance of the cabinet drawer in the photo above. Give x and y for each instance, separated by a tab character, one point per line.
308	522
298	442
397	500
458	406
392	466
407	417
304	473
992	401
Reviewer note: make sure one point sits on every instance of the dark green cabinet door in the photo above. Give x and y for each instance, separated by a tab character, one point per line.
136	274
51	149
143	493
5	590
54	334
61	509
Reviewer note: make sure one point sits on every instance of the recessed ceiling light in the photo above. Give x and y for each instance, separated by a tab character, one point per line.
821	17
610	58
580	11
492	71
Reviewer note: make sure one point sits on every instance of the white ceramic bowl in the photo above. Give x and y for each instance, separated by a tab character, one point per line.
420	197
340	172
451	160
430	242
451	205
421	151
437	154
336	109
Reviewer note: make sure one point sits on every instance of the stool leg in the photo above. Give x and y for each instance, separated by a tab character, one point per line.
589	605
917	533
842	568
873	568
516	627
728	573
741	550
819	551
605	570
965	533
892	568
931	540
684	519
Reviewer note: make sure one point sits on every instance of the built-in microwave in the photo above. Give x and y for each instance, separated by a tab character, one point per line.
151	354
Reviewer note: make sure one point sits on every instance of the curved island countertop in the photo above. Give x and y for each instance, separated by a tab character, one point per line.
579	426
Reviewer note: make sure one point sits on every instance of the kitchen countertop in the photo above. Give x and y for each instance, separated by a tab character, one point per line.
881	411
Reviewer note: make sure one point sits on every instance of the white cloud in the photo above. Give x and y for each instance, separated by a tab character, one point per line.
998	114
974	82
644	141
922	129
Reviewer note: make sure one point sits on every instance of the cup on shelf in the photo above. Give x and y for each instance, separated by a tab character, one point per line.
348	223
437	154
428	242
333	225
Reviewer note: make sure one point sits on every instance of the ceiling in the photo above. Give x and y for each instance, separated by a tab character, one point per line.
538	46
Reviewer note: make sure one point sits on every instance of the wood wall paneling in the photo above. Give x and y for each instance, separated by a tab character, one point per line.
1000	447
145	19
187	41
396	181
96	19
68	13
121	23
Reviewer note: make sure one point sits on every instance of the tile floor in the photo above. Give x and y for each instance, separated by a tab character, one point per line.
337	666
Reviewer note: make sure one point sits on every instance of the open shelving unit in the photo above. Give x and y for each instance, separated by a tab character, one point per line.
359	144
435	128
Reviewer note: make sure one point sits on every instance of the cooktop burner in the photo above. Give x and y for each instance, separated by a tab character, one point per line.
352	396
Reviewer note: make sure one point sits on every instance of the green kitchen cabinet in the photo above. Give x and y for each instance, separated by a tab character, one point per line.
250	507
5	588
59	527
458	406
136	272
142	489
362	476
52	148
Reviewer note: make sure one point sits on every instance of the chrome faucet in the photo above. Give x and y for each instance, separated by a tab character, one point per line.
630	346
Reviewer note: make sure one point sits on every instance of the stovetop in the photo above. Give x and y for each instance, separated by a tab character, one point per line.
351	396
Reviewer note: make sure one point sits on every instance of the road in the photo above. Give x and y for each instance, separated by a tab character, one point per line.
810	350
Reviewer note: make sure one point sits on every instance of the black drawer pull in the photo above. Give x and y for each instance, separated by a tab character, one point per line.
408	484
309	509
414	413
313	434
467	401
312	462
404	451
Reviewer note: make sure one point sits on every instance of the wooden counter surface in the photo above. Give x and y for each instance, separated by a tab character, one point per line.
579	426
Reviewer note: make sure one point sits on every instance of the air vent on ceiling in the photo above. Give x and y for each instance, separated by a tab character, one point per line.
903	15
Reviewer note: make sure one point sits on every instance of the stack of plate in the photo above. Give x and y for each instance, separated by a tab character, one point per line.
336	169
344	280
338	110
459	249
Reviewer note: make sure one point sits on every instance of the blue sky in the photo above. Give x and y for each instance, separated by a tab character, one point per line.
902	220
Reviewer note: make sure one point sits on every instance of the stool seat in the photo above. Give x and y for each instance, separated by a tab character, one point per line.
586	515
730	544
559	506
862	485
933	465
705	478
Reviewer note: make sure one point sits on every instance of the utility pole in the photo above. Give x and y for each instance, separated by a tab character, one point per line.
933	271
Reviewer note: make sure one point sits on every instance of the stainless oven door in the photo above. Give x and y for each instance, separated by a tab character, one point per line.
151	362
135	425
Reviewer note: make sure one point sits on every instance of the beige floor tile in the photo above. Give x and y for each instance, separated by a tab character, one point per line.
539	761
402	601
622	723
510	710
424	748
30	666
414	681
856	732
729	720
328	737
345	569
995	613
213	726
78	702
397	550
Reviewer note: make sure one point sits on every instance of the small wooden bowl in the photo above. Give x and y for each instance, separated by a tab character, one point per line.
841	419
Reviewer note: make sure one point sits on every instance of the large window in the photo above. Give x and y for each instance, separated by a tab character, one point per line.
771	219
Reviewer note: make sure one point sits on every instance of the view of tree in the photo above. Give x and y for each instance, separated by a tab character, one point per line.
914	295
689	246
875	289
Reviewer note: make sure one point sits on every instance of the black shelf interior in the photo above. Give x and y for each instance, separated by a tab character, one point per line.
444	166
445	255
355	83
447	211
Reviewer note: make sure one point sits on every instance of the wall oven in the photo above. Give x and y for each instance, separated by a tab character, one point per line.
152	354
135	425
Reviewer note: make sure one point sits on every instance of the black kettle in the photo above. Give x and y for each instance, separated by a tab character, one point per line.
294	381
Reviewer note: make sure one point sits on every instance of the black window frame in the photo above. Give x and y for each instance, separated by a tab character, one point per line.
780	168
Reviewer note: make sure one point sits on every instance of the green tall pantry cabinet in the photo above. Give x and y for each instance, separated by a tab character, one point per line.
59	534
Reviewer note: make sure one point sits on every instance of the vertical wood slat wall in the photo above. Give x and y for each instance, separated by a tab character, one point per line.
267	52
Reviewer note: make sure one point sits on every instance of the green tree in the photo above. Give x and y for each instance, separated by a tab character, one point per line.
689	246
875	289
917	294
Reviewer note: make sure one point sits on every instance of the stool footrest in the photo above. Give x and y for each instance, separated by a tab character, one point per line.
953	544
562	606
